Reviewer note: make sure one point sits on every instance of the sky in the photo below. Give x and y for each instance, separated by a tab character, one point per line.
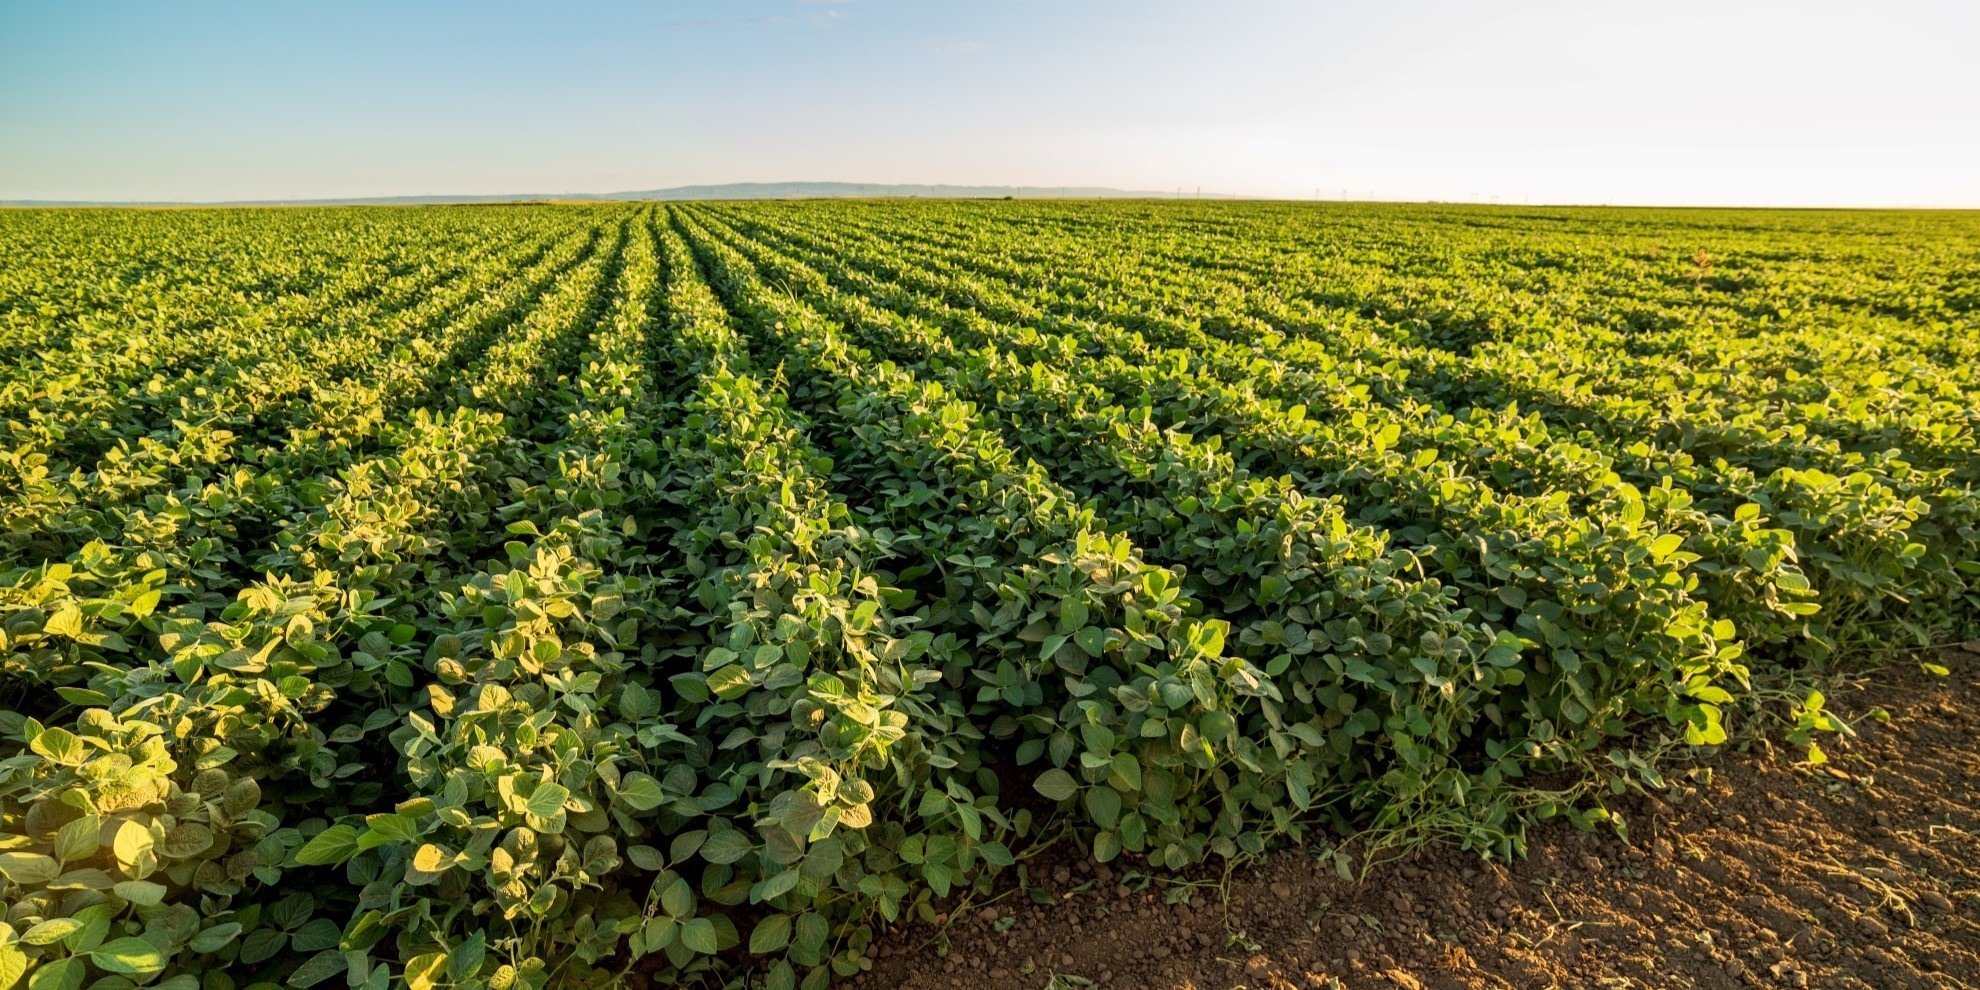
1708	102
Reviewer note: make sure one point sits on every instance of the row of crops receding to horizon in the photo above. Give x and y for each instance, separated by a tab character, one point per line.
533	596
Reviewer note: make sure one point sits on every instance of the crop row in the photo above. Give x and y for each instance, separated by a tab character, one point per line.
536	596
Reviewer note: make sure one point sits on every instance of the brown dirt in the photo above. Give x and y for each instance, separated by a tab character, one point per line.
1864	873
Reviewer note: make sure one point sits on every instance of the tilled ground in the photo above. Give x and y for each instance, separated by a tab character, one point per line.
1864	873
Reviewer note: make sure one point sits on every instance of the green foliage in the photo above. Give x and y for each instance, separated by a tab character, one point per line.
524	597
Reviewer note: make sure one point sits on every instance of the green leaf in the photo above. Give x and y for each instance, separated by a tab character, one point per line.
636	702
1104	805
84	697
641	791
465	959
659	932
678	899
317	933
1056	784
1091	639
319	967
781	977
291	911
215	938
1106	846
812	931
771	934
774	886
330	846
1126	767
1215	727
824	859
263	944
699	935
187	840
685	845
726	846
129	956
241	797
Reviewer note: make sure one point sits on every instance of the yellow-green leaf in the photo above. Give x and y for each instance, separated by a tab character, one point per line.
432	859
29	869
13	963
51	931
79	839
129	956
143	893
67	621
548	799
59	745
133	846
422	972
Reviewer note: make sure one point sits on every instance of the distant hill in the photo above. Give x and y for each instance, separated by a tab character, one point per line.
855	190
730	190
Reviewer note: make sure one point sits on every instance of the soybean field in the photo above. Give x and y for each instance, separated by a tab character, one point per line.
535	596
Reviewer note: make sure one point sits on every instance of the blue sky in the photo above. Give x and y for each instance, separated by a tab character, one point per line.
1713	101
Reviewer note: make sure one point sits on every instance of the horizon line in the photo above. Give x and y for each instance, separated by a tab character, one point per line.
842	190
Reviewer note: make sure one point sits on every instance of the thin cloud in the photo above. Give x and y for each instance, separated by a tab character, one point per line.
956	47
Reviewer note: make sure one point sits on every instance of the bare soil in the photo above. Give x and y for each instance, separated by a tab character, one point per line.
1862	873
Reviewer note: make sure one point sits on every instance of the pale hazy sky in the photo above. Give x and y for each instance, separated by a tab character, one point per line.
1652	101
